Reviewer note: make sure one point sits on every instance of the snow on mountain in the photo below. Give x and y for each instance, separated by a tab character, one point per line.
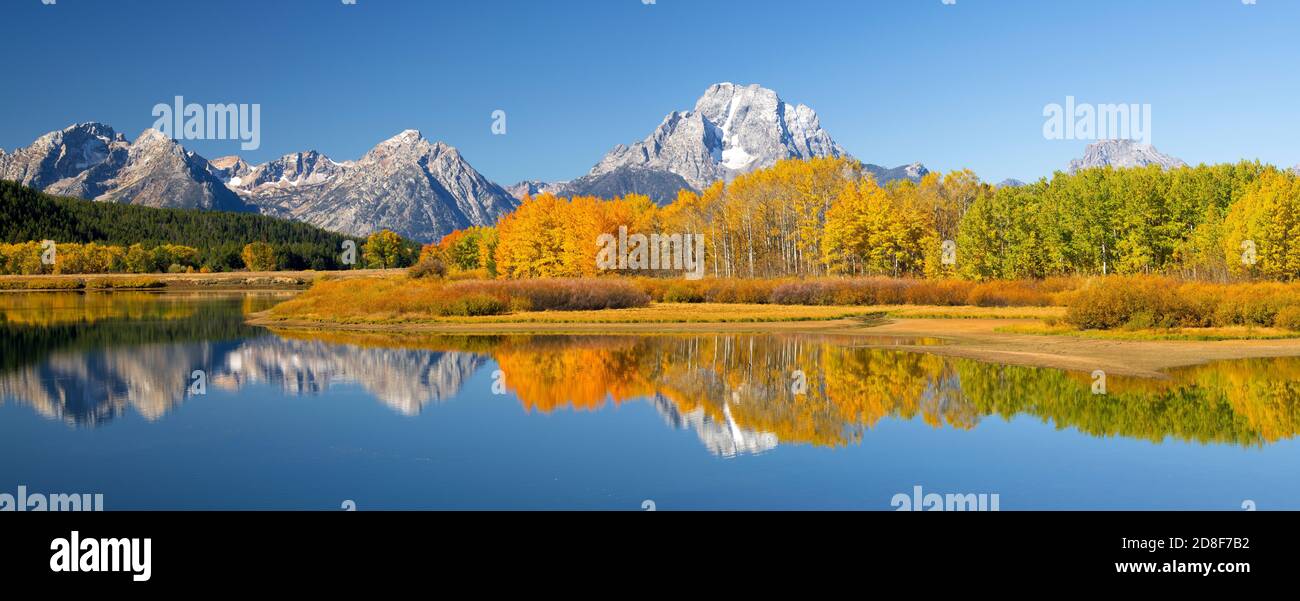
732	130
291	170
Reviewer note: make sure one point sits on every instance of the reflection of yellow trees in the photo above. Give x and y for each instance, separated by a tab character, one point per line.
68	308
1263	393
747	380
58	308
547	375
867	385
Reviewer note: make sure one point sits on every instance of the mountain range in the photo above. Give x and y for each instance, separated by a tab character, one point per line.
424	190
420	189
90	160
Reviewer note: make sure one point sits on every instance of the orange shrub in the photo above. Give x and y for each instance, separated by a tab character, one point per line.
398	298
1149	301
560	294
903	291
709	290
1009	294
1289	318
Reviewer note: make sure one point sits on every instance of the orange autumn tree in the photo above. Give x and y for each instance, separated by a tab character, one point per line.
549	236
530	239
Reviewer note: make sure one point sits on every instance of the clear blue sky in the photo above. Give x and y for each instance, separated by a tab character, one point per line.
894	81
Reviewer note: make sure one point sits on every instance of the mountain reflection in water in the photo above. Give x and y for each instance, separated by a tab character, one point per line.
85	359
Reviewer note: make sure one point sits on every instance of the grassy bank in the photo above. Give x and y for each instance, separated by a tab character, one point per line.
399	299
668	313
52	283
1208	334
860	291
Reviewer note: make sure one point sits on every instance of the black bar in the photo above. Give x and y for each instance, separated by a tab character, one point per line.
1079	548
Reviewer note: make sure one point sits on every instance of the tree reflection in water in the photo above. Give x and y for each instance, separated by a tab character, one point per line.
84	359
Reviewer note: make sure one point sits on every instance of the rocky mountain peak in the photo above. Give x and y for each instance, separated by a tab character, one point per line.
409	145
60	154
407	139
733	129
915	171
230	169
291	170
151	136
1122	154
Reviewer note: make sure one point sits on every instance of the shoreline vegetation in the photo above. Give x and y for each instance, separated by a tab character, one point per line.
233	280
398	299
1130	305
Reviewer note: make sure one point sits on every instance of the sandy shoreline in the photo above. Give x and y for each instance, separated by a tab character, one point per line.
978	339
975	338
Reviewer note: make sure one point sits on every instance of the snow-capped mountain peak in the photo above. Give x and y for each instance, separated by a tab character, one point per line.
733	129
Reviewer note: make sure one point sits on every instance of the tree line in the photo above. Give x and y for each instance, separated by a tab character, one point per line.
820	217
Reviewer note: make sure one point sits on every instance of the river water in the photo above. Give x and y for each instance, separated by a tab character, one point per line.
169	401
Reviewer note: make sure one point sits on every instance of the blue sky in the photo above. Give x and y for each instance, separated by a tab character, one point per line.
894	81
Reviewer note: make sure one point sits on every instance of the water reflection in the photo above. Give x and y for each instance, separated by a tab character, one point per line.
84	359
405	380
